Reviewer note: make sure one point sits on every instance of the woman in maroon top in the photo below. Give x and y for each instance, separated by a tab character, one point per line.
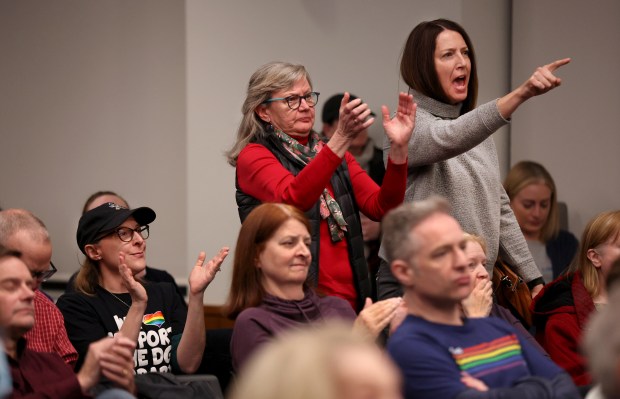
268	294
563	308
279	158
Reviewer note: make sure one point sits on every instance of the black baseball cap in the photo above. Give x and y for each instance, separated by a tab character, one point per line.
105	218
331	108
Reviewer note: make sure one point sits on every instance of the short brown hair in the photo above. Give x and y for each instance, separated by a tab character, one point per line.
399	222
246	288
417	63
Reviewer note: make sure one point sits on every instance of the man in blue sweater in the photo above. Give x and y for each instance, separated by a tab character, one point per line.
441	353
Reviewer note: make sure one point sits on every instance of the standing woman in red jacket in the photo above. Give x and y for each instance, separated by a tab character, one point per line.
563	307
280	158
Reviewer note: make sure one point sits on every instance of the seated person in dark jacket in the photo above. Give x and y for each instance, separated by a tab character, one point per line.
45	374
441	353
150	273
534	201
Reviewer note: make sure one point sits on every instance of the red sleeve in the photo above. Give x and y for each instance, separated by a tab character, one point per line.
562	339
372	200
262	176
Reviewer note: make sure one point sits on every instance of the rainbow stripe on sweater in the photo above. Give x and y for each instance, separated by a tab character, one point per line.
490	357
154	319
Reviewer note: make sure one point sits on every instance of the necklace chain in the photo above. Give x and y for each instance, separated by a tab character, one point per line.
123	302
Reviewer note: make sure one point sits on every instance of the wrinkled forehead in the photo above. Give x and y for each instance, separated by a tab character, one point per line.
36	250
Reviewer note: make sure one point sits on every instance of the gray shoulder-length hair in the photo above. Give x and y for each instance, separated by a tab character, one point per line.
268	78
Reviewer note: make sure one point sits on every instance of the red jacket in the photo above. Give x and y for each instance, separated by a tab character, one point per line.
561	311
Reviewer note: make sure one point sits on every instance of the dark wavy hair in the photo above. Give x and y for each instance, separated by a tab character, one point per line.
417	64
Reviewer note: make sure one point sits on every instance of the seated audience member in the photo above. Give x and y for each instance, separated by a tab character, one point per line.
150	274
22	231
326	362
534	201
42	374
441	353
561	311
108	299
602	342
480	302
268	293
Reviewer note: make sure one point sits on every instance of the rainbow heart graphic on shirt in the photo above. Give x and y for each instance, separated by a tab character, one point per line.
154	319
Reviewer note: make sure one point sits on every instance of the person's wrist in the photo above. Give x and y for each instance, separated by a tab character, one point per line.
535	282
85	380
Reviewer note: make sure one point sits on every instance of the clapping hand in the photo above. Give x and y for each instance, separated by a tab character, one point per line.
399	129
135	289
203	273
376	316
353	117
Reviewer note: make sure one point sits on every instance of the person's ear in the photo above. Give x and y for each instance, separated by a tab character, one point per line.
594	257
403	273
93	252
263	113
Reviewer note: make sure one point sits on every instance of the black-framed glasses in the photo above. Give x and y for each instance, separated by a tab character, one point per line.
126	233
294	101
44	275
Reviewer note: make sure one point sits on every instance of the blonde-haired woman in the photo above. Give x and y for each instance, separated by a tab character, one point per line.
534	201
326	362
563	308
109	297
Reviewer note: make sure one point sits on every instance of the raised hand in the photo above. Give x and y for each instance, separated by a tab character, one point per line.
135	289
400	128
353	117
376	316
203	273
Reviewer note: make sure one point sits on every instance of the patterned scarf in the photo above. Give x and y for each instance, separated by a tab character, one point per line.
329	208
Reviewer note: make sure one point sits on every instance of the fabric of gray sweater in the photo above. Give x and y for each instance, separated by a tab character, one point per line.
455	157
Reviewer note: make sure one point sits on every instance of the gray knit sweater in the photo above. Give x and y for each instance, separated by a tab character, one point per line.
454	156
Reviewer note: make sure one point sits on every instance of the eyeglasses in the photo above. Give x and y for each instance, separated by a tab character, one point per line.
294	101
44	275
126	233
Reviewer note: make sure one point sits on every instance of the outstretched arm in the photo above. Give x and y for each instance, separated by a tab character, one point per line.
541	81
192	345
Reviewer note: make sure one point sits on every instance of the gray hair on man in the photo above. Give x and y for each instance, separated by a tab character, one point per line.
398	223
13	221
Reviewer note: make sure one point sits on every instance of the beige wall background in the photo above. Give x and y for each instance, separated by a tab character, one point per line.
573	131
143	97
